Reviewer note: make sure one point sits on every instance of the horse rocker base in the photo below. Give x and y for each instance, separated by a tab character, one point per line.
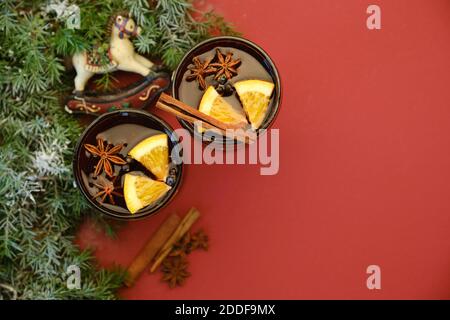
139	95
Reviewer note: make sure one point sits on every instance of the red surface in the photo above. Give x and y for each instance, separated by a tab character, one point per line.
365	163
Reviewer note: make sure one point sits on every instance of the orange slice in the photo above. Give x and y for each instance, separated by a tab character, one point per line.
255	98
141	191
215	106
153	153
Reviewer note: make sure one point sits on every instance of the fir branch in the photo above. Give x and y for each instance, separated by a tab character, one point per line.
171	29
40	207
106	82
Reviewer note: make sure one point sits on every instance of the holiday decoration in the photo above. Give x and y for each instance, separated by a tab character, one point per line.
40	208
120	54
140	95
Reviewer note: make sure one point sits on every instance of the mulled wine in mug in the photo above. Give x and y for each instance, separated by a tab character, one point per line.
123	164
232	81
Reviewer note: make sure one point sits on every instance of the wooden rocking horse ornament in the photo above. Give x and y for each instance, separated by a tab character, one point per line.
119	56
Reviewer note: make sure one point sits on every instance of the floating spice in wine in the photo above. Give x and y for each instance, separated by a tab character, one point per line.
108	156
225	65
107	189
199	71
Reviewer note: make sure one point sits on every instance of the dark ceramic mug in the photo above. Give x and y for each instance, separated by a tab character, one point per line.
107	121
241	44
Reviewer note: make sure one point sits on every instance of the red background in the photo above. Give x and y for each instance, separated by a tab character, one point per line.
364	164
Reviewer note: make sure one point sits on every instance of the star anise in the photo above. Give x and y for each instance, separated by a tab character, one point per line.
175	271
225	65
199	240
107	156
182	247
106	188
199	71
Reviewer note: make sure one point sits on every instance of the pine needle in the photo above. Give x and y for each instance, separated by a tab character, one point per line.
40	207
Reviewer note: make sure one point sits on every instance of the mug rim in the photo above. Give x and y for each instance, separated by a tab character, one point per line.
277	103
77	172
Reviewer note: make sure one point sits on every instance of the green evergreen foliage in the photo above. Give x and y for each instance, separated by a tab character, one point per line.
40	207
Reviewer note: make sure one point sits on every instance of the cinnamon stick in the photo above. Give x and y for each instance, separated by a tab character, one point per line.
181	107
242	136
181	230
153	246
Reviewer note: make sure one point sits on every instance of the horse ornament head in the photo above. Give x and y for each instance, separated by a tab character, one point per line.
126	26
